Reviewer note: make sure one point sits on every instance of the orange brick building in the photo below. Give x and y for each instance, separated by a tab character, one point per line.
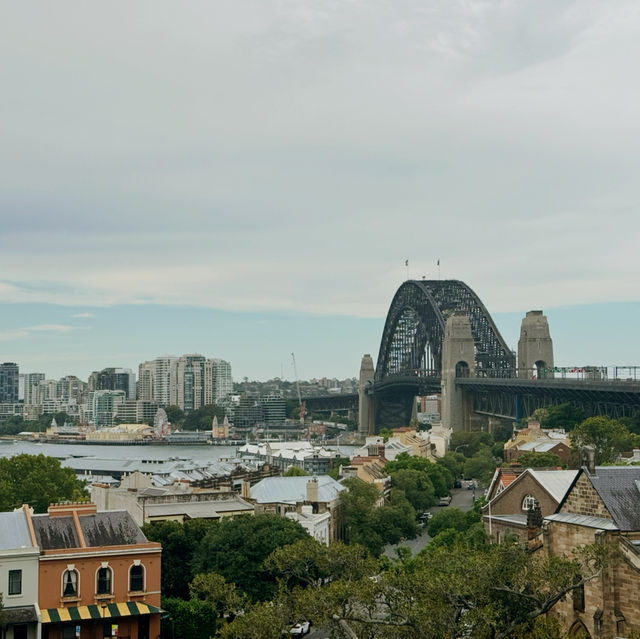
98	574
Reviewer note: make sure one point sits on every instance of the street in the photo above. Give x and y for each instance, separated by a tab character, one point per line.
461	498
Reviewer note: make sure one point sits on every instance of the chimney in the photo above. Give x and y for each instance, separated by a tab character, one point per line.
245	489
588	456
69	508
312	490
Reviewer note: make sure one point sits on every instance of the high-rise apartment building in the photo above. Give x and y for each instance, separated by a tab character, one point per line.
165	381
146	376
190	380
9	383
31	382
70	388
217	381
104	406
122	379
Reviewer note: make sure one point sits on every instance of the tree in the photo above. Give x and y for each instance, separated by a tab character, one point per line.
494	591
607	436
174	414
215	591
294	471
37	480
565	416
190	619
236	549
438	474
179	543
481	466
453	462
416	485
447	518
202	418
469	442
531	459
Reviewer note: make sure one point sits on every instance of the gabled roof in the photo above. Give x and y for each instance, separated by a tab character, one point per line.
619	489
14	531
272	490
555	482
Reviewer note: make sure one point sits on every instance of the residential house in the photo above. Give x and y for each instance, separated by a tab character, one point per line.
282	495
514	495
98	574
18	576
539	440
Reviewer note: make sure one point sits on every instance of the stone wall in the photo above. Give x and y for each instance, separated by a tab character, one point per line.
509	501
584	500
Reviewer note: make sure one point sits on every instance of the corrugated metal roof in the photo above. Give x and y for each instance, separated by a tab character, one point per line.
199	509
14	532
556	482
583	520
272	490
515	518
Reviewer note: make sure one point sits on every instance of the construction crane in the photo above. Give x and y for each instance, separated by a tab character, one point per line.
295	372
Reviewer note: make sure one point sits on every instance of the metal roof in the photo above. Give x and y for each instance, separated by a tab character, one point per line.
555	482
14	532
520	520
199	509
273	490
583	520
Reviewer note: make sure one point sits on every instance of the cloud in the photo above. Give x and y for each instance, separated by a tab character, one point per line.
83	315
291	155
26	331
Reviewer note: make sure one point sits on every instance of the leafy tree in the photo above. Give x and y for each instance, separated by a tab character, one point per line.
202	418
334	471
481	466
37	480
469	442
179	543
416	485
190	619
174	414
502	432
264	620
632	423
607	436
385	433
453	462
215	591
295	471
438	474
372	526
531	459
565	416
236	549
447	518
496	591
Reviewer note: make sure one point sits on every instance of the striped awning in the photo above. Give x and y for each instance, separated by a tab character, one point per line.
126	609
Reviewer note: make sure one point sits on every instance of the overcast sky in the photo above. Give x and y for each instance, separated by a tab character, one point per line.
278	158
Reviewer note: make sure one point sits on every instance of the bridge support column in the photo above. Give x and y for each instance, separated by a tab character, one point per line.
458	360
535	348
365	403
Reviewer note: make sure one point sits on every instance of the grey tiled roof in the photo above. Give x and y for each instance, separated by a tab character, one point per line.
111	528
619	489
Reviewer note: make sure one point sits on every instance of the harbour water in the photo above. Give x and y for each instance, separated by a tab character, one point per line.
9	448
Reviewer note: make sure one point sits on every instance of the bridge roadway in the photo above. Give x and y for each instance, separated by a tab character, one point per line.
506	396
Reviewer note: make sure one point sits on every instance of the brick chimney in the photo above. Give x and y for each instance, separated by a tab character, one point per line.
312	490
588	457
67	509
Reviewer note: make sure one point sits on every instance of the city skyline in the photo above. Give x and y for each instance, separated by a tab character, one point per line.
249	179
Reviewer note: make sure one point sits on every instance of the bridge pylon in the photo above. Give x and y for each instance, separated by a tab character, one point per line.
458	360
366	413
535	348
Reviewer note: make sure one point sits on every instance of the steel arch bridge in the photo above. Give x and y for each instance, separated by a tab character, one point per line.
414	330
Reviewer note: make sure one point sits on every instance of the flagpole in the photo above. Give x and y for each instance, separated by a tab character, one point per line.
438	269
406	263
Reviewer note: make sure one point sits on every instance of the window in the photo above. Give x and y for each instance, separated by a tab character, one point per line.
15	582
103	586
136	578
578	598
70	583
529	502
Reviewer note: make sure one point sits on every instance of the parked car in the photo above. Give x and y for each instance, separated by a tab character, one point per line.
445	501
300	629
457	484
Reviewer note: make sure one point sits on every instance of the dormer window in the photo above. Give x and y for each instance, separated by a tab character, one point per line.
70	583
103	581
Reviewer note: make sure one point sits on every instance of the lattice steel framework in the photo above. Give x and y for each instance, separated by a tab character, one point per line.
414	329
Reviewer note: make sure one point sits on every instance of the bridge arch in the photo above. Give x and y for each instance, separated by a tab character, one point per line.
414	329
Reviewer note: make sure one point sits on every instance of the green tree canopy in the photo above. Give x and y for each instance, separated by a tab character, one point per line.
202	418
453	462
481	466
439	475
237	547
565	416
174	414
468	442
607	436
531	459
294	471
416	486
37	480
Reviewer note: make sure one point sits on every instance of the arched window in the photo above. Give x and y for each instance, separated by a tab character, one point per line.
103	581
529	502
136	578
70	583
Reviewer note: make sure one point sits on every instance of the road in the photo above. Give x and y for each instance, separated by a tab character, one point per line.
461	498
